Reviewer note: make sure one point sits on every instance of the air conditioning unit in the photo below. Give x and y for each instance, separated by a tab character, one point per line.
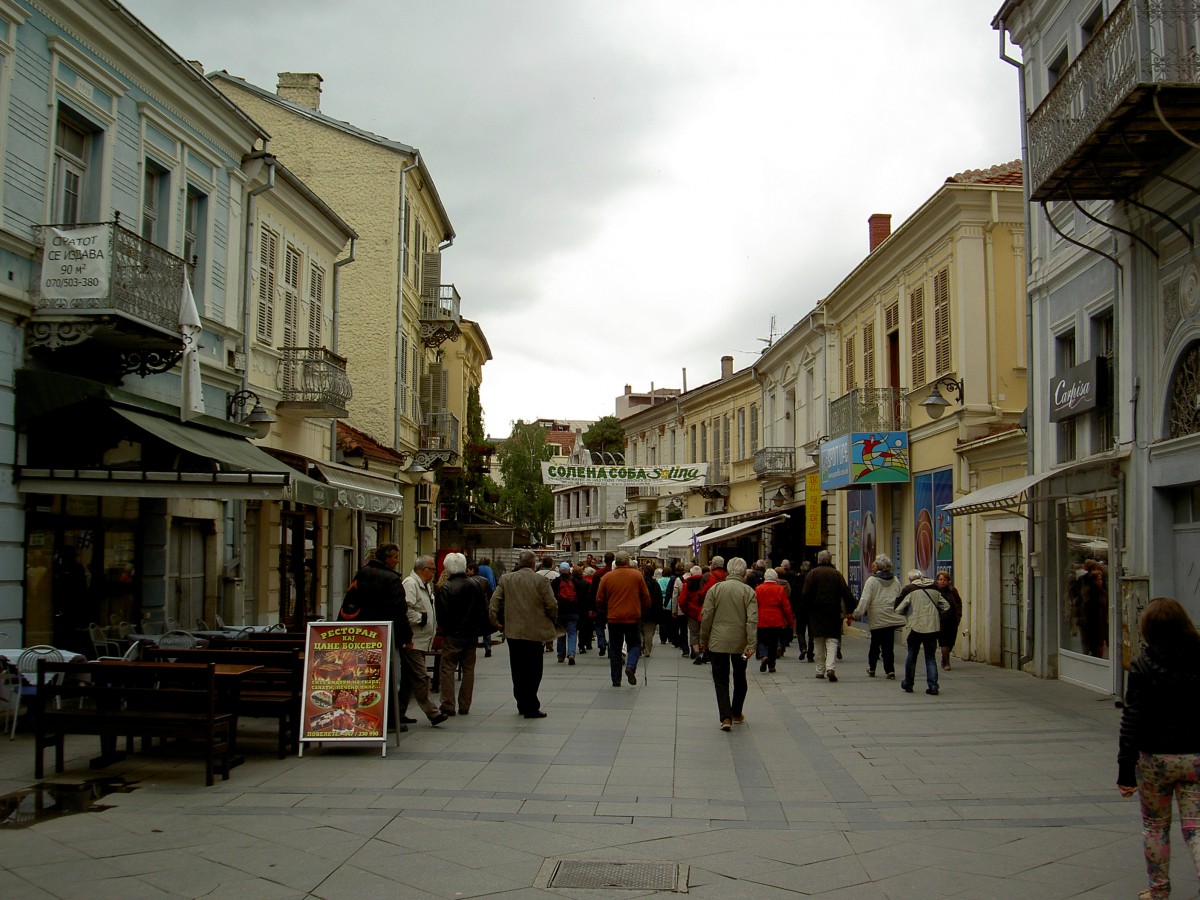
424	516
424	492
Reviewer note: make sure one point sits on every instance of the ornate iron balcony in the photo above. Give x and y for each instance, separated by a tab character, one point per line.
439	431
137	311
774	461
314	379
868	409
1110	122
441	317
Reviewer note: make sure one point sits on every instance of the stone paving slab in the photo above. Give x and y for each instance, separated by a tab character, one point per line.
1002	786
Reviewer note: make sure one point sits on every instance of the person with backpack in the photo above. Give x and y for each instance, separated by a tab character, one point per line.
691	600
569	589
922	603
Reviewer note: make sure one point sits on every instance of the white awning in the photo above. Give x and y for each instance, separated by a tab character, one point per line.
362	490
742	528
633	545
1009	495
677	537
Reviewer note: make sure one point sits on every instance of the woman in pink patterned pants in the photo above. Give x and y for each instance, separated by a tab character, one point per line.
1159	754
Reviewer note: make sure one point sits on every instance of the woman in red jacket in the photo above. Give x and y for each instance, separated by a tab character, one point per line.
774	615
691	599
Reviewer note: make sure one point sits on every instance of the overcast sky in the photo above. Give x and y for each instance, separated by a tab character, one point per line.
638	186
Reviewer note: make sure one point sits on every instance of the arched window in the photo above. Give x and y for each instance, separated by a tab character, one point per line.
1184	398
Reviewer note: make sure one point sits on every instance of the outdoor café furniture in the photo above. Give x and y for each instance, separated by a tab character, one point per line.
102	645
131	699
271	691
28	675
178	640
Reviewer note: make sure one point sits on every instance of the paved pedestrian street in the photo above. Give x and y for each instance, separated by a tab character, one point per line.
1002	786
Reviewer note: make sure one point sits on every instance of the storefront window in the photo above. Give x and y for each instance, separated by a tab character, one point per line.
1083	550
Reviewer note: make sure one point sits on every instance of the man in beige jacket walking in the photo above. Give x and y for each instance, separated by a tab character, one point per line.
523	606
728	633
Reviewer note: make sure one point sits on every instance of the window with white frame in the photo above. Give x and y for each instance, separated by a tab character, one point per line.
1065	352
156	202
741	432
402	367
72	149
753	428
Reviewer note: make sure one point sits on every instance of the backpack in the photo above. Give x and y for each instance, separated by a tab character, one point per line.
566	588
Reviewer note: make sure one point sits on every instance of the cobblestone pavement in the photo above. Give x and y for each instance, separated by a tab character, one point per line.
1001	786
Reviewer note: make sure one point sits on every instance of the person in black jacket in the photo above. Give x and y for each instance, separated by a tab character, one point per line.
377	595
1159	753
462	615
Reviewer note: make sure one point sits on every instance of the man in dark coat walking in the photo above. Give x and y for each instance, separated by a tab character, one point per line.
828	599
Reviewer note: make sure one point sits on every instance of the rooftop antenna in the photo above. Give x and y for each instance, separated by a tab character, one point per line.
770	339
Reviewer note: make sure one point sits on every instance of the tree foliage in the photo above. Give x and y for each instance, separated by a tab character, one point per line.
605	436
524	500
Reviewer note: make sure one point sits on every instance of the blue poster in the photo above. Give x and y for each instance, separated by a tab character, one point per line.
933	540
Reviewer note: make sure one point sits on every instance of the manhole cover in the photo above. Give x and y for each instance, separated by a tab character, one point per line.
592	873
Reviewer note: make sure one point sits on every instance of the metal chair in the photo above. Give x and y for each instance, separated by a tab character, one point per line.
134	651
201	625
178	640
126	631
101	644
27	676
220	622
171	624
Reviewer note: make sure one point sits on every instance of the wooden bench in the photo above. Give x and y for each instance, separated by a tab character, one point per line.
130	699
272	692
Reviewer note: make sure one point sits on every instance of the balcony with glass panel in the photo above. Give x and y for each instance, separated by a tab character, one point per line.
1124	109
868	409
441	316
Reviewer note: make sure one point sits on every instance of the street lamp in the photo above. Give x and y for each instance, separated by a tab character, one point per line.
935	404
259	420
815	453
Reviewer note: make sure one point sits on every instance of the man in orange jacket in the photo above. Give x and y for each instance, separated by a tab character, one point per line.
622	597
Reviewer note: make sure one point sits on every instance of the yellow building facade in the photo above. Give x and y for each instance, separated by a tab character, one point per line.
927	384
395	313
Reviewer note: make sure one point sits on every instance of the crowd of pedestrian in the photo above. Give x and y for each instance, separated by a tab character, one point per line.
546	606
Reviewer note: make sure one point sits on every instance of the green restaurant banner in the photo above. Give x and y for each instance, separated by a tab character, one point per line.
693	475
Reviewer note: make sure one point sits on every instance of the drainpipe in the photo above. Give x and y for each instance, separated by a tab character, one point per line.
356	530
1029	626
400	291
239	506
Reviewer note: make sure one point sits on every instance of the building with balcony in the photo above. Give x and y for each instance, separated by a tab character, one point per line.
1112	120
125	193
396	314
792	373
937	305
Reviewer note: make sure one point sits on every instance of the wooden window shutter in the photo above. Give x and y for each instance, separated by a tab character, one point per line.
268	245
291	299
868	373
431	275
848	362
891	317
402	399
941	322
316	305
917	335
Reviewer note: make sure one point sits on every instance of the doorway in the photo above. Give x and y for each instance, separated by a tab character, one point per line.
1012	580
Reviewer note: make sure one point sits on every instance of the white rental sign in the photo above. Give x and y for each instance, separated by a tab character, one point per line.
76	263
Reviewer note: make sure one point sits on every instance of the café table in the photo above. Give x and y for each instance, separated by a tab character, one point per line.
228	677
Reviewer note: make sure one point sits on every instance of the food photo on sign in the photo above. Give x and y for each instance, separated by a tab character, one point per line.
345	691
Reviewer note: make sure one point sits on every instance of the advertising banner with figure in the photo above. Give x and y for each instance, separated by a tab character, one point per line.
345	693
692	475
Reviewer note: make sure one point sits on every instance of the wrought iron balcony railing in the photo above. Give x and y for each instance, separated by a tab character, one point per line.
774	461
1117	112
868	409
439	431
314	377
144	282
441	316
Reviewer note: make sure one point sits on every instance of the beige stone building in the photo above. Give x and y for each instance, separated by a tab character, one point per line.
927	384
396	314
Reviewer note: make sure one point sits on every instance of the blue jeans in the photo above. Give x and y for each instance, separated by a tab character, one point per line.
631	634
915	643
566	642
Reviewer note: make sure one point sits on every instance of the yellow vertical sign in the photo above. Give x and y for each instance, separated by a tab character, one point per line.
812	510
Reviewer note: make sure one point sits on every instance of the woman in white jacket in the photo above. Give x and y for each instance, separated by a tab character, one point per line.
878	603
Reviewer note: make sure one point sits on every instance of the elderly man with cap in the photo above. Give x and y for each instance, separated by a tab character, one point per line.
623	598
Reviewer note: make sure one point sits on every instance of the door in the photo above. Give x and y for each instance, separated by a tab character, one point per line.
185	570
1187	567
1012	579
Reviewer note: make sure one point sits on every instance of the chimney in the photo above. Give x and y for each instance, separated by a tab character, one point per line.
726	367
880	225
301	88
628	389
197	65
